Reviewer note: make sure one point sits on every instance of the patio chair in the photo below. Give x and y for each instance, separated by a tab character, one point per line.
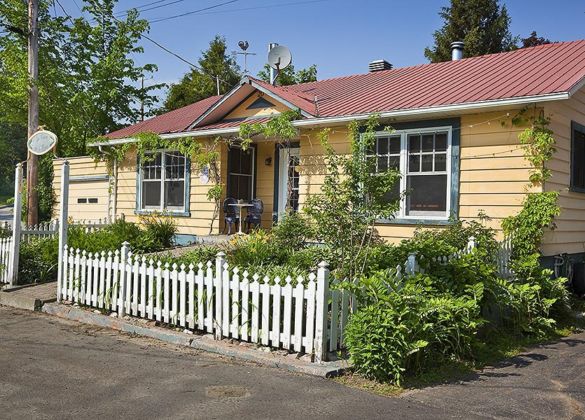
231	216
254	216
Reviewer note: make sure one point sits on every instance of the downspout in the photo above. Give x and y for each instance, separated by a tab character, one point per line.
112	210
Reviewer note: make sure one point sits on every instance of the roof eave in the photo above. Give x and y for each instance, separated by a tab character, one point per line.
347	118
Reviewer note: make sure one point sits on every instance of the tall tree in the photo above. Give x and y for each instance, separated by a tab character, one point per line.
200	83
533	40
289	76
482	24
88	79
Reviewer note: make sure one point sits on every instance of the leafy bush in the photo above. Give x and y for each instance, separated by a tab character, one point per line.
38	260
292	232
159	232
406	326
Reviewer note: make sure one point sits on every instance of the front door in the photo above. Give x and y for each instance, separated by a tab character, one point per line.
288	180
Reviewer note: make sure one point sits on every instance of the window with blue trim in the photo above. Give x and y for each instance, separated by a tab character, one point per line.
162	180
422	156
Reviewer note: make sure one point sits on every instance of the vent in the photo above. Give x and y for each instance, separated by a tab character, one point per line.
379	65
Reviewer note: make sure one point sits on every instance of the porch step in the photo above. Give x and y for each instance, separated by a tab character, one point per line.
30	297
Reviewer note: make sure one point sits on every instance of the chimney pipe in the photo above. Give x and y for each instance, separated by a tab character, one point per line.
457	50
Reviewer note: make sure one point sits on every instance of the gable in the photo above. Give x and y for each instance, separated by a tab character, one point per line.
256	105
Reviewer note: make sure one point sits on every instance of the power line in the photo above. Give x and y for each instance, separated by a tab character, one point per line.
295	3
193	11
145	8
158	44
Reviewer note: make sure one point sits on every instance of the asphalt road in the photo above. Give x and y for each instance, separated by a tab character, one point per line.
51	368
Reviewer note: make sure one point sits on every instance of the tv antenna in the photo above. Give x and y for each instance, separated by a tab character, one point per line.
244	46
279	58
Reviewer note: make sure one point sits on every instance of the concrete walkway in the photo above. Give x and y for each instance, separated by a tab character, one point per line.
53	368
31	296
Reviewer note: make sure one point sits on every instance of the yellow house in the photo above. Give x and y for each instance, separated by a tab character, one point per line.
454	143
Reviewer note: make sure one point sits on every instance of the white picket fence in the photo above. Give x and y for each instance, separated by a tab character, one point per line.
50	229
6	260
300	314
503	259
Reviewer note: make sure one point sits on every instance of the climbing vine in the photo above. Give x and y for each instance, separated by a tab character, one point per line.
527	228
279	127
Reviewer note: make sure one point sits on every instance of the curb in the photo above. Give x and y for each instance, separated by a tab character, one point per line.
29	303
205	342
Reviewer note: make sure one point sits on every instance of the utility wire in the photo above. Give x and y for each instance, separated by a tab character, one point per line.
158	44
144	7
193	11
240	9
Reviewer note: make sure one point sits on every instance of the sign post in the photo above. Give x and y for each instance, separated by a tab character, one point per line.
16	226
63	218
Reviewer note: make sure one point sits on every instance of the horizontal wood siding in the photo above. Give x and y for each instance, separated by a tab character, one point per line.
569	235
493	171
78	167
200	207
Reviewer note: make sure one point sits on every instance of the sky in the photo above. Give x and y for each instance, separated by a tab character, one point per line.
340	36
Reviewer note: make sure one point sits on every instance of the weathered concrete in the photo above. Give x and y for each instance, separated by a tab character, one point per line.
29	297
52	368
242	351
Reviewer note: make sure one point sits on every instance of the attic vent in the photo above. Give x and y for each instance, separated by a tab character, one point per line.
378	65
260	103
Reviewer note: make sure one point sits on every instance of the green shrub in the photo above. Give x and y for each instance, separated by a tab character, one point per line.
159	232
38	260
292	232
406	326
256	249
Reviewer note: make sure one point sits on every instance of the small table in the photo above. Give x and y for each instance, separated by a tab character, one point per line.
240	206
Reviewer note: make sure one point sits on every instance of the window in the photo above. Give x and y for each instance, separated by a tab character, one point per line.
163	181
421	157
578	157
241	173
87	201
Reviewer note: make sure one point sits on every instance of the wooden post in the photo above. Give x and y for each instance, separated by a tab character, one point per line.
322	312
123	274
32	178
411	265
62	224
16	226
217	322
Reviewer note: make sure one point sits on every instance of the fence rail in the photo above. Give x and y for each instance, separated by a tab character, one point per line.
50	229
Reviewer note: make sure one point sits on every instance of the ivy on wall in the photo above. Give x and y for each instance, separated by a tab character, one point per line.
527	228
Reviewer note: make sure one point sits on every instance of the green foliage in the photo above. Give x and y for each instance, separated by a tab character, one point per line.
533	40
201	84
159	232
352	199
405	327
539	147
526	229
290	76
292	232
278	127
38	260
483	25
88	83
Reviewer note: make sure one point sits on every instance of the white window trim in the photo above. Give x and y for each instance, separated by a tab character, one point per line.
162	181
401	214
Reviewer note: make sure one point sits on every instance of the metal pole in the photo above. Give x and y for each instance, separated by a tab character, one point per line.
63	219
16	226
272	71
32	202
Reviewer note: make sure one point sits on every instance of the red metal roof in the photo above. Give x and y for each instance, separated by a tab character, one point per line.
170	122
541	70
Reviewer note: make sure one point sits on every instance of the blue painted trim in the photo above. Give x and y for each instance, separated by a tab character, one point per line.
415	222
187	203
575	126
276	160
166	212
455	124
138	184
187	197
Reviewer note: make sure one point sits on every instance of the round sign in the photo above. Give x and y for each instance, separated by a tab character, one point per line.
41	142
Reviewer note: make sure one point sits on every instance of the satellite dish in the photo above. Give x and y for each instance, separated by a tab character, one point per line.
279	57
41	142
